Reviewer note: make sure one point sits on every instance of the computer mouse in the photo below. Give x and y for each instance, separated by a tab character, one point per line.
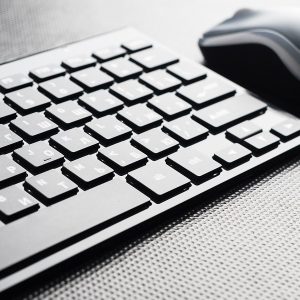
260	50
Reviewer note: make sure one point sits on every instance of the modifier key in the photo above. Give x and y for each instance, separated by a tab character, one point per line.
229	112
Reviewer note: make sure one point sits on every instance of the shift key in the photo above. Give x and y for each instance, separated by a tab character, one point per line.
229	112
66	222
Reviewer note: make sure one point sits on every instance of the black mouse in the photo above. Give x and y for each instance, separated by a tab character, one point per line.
259	50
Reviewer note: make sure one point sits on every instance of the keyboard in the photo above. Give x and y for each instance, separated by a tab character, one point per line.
102	135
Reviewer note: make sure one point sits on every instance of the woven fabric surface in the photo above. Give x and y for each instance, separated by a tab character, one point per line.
244	245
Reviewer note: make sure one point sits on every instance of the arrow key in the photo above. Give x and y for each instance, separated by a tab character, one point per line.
287	129
263	142
232	155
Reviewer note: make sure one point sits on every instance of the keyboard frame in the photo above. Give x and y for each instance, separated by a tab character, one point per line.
202	192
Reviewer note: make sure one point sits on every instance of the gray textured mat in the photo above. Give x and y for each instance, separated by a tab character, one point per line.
244	245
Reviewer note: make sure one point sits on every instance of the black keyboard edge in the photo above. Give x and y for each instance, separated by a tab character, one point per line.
45	263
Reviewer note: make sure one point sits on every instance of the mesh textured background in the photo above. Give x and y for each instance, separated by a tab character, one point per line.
244	245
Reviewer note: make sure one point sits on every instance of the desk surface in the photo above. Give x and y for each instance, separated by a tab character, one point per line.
244	245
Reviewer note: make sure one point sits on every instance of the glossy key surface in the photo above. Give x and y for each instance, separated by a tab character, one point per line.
206	91
140	117
121	69
186	130
38	157
60	89
153	58
50	186
230	111
92	79
88	171
187	72
74	143
10	171
131	91
262	142
47	72
14	82
155	143
287	129
108	129
233	155
160	81
16	203
158	180
68	114
193	164
170	106
8	140
122	157
27	100
6	113
100	103
34	127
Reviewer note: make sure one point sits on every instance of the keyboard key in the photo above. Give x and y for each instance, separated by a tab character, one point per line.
34	127
38	157
100	103
14	82
79	62
158	180
140	117
91	79
262	142
61	223
288	129
170	106
243	130
108	130
74	143
160	81
186	130
229	112
6	113
187	72
109	53
136	45
16	203
10	172
155	143
8	140
122	69
153	58
88	171
194	165
205	92
27	101
233	155
131	92
122	157
51	186
68	114
60	89
47	72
